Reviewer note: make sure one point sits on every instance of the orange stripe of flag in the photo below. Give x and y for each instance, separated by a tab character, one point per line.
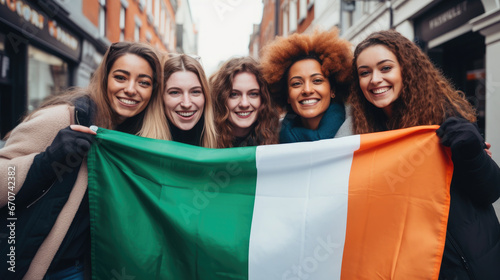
398	206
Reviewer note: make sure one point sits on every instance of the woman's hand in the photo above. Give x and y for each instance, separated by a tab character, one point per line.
71	143
462	137
487	149
81	128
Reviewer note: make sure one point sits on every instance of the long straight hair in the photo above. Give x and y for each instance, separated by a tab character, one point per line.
182	63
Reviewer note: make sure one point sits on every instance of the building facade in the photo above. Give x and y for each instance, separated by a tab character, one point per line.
48	46
281	18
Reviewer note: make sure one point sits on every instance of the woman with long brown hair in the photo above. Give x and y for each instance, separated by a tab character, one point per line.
244	115
396	86
44	157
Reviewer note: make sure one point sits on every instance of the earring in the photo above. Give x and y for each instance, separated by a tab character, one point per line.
333	95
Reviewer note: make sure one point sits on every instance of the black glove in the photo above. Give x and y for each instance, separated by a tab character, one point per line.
68	149
462	137
63	156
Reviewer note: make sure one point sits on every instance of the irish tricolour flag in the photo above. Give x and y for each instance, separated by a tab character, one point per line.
371	206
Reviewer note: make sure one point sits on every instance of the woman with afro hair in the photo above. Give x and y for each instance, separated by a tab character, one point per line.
396	86
244	115
309	76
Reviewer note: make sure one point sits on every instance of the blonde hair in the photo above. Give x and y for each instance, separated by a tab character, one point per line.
158	117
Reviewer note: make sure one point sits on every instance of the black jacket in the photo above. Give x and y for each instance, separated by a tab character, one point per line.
472	248
38	204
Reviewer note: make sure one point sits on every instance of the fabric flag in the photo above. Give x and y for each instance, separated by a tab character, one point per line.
371	206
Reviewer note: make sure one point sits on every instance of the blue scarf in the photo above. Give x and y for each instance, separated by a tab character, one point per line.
293	131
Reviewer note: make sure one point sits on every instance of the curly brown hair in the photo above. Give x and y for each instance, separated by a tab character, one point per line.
333	53
267	124
426	96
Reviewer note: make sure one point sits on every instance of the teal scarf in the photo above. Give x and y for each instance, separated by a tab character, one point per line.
293	131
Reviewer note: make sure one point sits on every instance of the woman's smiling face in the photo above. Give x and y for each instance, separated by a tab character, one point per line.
309	91
130	86
243	103
184	99
380	77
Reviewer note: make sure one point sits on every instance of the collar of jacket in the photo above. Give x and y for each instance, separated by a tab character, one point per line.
84	110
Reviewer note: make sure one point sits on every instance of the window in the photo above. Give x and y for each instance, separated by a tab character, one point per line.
311	3
162	21
137	32
172	34
149	11
349	19
285	22
102	18
4	60
2	44
142	5
167	30
366	8
293	16
149	7
47	75
302	9
157	13
137	29
122	23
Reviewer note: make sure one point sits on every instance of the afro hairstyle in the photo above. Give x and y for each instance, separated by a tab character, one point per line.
333	53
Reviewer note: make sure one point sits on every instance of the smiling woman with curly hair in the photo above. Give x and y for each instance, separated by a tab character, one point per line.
397	86
244	115
305	73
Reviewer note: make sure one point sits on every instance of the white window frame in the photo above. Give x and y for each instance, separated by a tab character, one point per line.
292	19
171	39
142	5
166	25
149	7
123	12
311	3
137	29
149	11
163	18
285	22
102	18
302	10
157	14
137	33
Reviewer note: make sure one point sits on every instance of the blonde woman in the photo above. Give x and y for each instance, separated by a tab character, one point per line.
187	113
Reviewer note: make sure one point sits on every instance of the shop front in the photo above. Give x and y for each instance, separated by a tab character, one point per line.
37	57
444	32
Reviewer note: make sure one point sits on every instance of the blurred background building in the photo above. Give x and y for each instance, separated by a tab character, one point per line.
461	37
47	46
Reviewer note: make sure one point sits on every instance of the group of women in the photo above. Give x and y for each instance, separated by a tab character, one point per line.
325	90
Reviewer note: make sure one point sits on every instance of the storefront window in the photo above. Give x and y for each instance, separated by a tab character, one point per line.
2	39
47	75
4	61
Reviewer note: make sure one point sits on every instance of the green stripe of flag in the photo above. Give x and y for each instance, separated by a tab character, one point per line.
140	185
